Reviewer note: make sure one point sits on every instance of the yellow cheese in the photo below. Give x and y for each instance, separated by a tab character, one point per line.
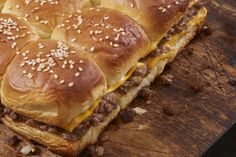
126	77
78	120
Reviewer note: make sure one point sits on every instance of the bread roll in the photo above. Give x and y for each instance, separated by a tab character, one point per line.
15	33
112	39
43	15
50	82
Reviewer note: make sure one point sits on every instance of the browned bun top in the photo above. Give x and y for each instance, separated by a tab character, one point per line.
50	82
155	16
14	34
44	15
112	39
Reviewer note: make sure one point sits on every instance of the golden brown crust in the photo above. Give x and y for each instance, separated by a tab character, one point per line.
51	82
43	15
155	16
113	40
15	33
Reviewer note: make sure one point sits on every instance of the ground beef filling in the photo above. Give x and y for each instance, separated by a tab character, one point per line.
135	80
105	107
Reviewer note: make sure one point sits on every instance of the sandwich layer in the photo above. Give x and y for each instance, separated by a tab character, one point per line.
142	76
51	82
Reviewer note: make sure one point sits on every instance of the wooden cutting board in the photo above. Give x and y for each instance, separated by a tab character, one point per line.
186	117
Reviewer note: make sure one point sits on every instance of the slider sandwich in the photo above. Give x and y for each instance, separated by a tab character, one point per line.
98	59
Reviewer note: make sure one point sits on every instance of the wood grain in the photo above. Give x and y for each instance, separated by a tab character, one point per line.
188	116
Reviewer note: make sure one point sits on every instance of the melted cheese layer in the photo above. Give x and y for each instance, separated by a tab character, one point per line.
78	120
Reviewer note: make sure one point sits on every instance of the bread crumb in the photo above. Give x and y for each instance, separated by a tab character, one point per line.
142	127
140	111
167	79
99	151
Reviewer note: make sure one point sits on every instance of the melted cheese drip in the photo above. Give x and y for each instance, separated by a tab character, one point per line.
172	43
78	120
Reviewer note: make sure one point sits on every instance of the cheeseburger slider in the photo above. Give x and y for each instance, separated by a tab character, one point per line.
70	87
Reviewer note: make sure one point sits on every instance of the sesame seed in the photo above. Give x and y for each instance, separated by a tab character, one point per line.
55	76
92	49
73	40
106	18
77	74
163	10
22	64
80	69
71	84
116	45
62	82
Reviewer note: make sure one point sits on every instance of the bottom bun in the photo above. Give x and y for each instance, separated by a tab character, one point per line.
57	143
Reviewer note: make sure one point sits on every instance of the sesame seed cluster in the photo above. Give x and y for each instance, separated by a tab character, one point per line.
43	15
38	6
98	29
42	2
11	30
46	60
164	9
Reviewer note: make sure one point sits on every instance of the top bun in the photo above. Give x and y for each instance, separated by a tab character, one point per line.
43	15
50	82
15	33
113	40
